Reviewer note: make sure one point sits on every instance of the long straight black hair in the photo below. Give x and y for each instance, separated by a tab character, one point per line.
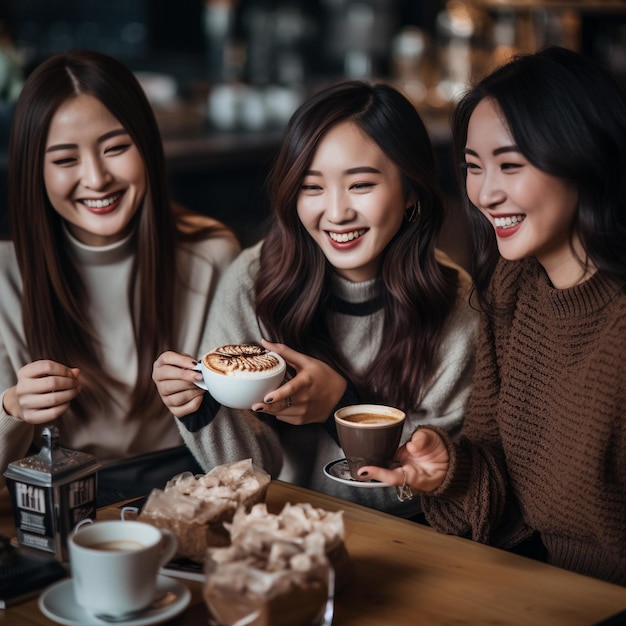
54	298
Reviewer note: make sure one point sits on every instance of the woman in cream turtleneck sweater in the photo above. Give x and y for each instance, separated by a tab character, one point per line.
102	274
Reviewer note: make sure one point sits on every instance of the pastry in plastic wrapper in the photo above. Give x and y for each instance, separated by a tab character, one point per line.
299	520
276	571
195	507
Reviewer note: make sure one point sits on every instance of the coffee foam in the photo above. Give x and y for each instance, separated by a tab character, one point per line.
242	360
371	418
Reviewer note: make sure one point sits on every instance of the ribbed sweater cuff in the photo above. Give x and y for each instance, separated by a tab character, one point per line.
203	416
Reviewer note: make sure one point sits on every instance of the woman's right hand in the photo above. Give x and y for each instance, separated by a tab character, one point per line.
43	392
422	461
174	376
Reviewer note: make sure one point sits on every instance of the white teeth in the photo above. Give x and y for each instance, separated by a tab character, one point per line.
509	221
345	237
99	204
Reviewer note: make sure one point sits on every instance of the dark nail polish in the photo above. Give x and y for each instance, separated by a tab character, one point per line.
269	400
363	474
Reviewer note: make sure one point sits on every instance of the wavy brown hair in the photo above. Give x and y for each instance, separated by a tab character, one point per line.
293	291
54	297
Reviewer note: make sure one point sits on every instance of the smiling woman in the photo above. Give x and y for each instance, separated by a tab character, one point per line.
350	289
352	214
103	273
539	467
93	171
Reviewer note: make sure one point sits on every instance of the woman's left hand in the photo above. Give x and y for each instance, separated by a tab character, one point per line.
310	396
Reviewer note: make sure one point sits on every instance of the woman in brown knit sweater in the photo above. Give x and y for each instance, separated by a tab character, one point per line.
542	455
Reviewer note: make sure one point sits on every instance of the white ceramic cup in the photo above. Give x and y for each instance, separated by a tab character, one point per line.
115	564
242	389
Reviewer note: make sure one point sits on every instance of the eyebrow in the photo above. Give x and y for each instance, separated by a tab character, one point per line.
69	146
496	152
363	169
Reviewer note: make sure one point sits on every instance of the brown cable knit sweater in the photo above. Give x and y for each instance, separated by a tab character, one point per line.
544	441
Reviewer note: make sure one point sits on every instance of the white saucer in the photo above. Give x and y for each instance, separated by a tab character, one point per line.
338	470
58	603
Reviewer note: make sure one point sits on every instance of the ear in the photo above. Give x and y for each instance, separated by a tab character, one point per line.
411	199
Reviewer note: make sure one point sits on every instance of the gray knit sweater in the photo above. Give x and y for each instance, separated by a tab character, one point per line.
543	448
298	454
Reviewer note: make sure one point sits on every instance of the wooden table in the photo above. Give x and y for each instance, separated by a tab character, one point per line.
407	574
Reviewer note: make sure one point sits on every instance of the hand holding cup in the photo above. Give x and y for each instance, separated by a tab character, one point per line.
240	375
369	435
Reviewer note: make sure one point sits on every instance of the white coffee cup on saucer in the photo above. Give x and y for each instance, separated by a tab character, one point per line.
115	564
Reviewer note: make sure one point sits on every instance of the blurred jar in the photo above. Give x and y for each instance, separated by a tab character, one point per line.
408	49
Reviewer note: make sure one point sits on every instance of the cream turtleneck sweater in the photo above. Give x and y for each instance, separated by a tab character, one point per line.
108	434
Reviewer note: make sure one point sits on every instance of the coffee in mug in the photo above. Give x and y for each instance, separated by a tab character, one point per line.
120	545
115	564
369	435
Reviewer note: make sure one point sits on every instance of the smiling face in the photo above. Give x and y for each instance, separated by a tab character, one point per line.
94	175
532	212
351	201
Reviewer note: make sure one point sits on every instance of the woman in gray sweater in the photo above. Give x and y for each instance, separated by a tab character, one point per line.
351	290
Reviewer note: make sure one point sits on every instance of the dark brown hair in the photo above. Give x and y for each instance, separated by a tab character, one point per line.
293	290
54	298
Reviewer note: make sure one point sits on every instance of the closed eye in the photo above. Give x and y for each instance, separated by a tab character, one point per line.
64	161
117	149
362	186
510	166
467	165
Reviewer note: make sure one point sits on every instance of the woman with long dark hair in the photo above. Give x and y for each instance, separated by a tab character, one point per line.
103	271
540	467
349	287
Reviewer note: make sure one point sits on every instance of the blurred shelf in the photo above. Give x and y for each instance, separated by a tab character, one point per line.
583	6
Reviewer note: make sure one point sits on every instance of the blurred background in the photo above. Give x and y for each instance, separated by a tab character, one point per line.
224	76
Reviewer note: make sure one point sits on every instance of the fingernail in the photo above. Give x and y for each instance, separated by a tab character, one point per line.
259	410
268	400
363	474
194	362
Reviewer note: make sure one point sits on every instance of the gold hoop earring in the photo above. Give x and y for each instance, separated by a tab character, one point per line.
413	213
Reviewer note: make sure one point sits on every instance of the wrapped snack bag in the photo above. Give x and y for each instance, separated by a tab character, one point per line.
268	578
195	508
299	521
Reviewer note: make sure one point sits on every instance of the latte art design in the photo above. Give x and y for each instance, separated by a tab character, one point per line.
237	359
